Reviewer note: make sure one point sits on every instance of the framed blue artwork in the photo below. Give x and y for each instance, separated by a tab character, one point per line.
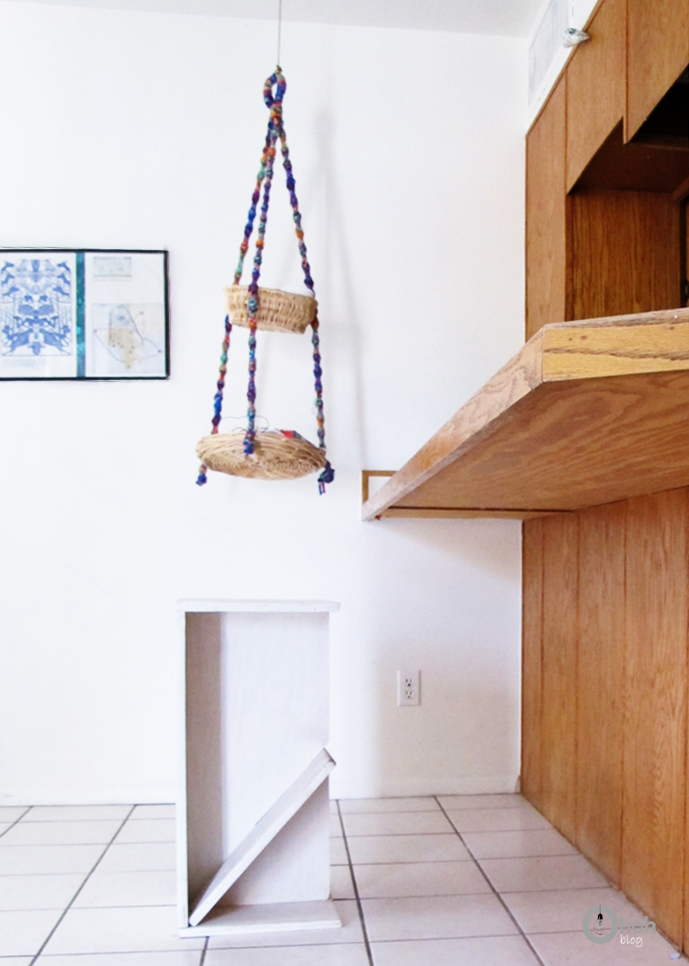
84	314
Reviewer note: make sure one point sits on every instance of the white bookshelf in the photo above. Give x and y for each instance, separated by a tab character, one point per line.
253	810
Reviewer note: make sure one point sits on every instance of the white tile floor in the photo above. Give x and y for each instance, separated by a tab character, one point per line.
478	880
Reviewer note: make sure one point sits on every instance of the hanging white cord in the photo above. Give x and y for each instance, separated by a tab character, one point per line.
279	29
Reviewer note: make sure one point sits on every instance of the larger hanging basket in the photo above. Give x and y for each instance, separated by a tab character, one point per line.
277	455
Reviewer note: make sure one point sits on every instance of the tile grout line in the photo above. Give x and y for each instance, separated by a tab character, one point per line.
85	821
17	820
78	892
356	888
492	887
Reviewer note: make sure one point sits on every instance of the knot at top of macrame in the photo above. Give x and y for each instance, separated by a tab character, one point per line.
278	81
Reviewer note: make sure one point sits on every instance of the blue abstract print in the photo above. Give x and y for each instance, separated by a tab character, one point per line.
36	308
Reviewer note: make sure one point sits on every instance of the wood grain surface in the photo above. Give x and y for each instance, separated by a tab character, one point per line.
621	347
559	696
657	53
596	74
655	688
546	215
625	253
605	751
448	513
600	710
585	414
532	661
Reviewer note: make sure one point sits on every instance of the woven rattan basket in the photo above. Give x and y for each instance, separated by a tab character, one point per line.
278	455
277	311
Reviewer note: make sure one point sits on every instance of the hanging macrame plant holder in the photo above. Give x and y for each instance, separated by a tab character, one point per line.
268	454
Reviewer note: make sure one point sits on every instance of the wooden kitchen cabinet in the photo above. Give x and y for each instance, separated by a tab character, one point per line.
657	53
596	86
547	221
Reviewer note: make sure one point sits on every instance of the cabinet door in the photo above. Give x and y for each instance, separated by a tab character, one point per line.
600	699
596	86
559	671
546	215
653	677
658	52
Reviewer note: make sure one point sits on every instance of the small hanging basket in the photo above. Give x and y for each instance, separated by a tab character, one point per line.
277	311
278	455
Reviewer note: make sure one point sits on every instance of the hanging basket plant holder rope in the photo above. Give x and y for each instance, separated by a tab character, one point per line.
268	454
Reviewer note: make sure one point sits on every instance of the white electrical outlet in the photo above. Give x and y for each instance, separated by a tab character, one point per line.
408	688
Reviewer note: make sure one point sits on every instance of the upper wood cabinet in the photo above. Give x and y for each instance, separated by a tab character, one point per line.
596	86
546	215
658	52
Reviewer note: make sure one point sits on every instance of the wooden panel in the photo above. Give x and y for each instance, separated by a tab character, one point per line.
658	52
602	636
654	684
596	76
560	639
626	253
586	414
686	808
624	347
546	216
572	445
448	513
684	249
532	646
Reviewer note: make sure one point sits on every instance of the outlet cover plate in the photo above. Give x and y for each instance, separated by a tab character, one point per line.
408	688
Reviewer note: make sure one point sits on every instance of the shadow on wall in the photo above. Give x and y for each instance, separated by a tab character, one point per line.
344	332
324	219
484	544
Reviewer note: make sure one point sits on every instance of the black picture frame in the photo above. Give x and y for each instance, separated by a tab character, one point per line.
84	314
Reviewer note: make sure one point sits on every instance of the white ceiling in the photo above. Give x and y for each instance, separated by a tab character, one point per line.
503	17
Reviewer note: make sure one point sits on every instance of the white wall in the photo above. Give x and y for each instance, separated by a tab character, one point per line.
138	130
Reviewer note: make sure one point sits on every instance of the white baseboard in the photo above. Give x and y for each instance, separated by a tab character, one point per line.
86	795
358	788
469	785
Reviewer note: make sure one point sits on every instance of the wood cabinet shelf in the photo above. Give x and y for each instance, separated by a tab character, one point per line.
585	414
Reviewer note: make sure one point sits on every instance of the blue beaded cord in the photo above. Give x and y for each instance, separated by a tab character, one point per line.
328	474
217	399
252	301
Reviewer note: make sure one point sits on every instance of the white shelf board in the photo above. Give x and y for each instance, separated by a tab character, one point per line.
218	605
264	832
280	917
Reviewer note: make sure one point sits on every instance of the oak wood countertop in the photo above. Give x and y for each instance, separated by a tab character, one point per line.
586	413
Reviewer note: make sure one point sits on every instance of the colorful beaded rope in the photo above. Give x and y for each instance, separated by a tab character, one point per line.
264	181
